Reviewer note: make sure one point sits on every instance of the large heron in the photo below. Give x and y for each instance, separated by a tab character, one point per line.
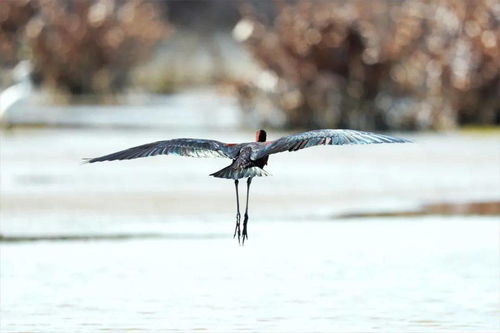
248	158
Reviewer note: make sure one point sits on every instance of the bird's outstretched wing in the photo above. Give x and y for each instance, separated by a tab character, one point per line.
182	147
322	137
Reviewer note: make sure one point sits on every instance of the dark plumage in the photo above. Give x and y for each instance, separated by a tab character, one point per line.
248	158
183	147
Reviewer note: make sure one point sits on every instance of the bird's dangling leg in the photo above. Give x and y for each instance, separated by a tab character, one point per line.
238	216
245	220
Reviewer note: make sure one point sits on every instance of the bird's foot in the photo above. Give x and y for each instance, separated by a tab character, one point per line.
245	233
237	228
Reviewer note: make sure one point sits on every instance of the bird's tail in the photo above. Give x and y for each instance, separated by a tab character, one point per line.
231	172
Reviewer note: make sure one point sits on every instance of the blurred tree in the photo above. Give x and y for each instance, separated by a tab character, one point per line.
13	17
81	46
88	46
377	64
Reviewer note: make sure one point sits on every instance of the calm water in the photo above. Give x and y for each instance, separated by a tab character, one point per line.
414	274
302	270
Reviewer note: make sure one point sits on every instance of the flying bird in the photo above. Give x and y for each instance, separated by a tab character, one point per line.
248	158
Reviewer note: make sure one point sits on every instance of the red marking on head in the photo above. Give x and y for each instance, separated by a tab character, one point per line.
230	144
260	136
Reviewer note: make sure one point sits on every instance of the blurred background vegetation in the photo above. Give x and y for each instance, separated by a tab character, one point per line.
416	64
412	229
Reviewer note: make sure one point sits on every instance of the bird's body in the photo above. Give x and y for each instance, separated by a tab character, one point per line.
248	158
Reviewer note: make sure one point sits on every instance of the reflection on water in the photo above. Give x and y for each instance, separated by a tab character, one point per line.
403	274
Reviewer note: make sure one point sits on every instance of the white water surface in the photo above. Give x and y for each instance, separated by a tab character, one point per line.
304	269
372	275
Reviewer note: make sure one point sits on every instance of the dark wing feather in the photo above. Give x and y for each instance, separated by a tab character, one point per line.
182	147
322	137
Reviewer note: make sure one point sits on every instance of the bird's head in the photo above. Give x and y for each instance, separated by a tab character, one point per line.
260	136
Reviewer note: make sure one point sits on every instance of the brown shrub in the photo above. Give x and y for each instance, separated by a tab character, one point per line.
88	46
380	64
14	14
